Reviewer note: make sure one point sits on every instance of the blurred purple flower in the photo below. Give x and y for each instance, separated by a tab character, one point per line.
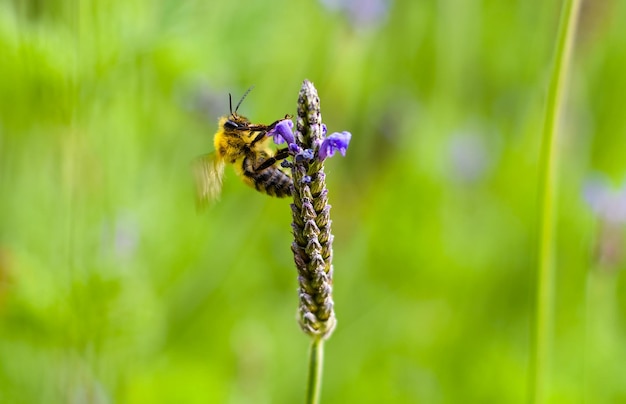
202	99
609	206
334	142
360	13
608	203
470	157
121	239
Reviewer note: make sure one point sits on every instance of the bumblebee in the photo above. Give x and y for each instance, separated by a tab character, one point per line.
245	146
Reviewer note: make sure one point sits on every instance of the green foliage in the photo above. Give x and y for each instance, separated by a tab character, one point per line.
114	289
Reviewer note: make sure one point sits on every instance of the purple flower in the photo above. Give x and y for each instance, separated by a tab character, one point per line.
282	132
294	148
334	142
307	154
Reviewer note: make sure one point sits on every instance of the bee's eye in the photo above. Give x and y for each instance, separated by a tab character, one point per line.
230	125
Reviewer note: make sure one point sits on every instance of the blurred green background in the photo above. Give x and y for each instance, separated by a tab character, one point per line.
114	289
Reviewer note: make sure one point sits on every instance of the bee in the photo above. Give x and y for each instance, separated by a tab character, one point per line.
245	146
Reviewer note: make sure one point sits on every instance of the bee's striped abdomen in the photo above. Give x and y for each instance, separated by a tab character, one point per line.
271	181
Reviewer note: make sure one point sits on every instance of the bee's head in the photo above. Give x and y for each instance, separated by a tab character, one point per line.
234	122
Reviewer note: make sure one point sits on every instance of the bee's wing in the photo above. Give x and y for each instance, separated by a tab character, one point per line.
208	172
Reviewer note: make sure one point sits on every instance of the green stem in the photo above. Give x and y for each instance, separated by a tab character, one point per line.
316	361
547	194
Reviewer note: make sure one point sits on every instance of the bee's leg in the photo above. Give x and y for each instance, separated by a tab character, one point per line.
280	155
258	137
273	124
263	128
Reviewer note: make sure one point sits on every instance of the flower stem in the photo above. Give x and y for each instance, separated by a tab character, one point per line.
539	369
316	361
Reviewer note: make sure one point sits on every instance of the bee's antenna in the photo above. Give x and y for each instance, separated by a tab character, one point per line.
230	103
241	100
